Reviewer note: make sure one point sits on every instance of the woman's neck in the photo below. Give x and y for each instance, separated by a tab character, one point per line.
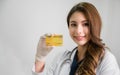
81	52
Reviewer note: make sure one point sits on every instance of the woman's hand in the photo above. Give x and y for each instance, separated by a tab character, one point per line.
42	49
42	52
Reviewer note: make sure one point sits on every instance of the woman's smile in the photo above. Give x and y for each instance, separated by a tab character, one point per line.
79	38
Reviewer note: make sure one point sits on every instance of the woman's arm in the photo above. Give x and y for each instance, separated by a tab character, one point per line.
39	66
41	53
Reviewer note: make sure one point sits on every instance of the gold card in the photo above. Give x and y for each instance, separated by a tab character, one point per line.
54	40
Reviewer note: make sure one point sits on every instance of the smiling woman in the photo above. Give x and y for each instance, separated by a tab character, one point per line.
90	48
90	57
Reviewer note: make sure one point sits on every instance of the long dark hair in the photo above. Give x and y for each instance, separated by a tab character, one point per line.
95	47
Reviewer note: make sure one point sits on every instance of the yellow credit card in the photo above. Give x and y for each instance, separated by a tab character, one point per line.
54	40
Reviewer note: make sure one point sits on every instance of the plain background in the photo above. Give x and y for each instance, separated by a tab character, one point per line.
22	22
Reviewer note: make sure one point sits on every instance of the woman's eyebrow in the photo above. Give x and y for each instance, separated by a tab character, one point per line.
85	21
72	21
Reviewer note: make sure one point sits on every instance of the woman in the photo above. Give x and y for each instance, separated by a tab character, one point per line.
90	57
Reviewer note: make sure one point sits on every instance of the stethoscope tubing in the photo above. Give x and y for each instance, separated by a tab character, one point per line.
62	61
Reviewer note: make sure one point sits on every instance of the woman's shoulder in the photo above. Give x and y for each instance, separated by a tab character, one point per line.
56	54
109	58
108	65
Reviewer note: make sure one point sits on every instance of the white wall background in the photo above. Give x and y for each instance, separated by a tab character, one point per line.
22	22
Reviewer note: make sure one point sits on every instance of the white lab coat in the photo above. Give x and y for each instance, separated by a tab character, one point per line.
61	65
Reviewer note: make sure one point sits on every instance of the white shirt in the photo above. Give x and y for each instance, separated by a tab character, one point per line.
61	65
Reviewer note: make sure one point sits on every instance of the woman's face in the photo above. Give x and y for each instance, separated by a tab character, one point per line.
78	28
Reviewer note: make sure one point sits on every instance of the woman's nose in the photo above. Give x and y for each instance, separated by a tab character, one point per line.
79	29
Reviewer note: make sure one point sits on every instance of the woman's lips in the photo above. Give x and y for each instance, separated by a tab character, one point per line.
79	38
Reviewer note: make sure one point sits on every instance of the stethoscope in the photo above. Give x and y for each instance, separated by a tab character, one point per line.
66	60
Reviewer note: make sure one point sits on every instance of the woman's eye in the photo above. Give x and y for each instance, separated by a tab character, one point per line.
86	24
73	25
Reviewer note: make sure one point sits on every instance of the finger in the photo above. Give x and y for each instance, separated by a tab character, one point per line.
43	37
48	34
49	47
